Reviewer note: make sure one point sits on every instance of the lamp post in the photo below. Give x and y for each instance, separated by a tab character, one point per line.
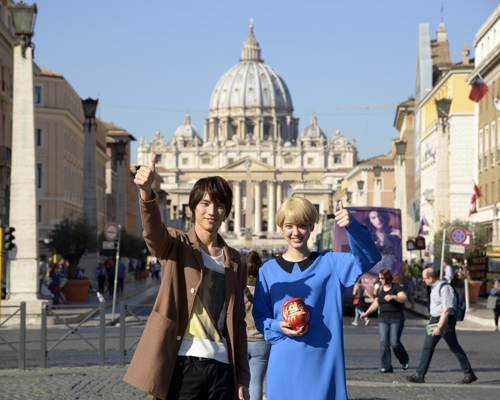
377	195
23	267
360	192
442	193
400	194
121	191
90	261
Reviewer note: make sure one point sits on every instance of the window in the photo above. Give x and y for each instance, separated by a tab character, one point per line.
492	156
230	160
310	161
337	159
38	95
185	161
479	164
38	137
40	214
288	160
205	160
39	176
158	158
264	160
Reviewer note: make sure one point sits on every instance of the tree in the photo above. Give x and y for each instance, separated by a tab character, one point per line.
478	232
72	239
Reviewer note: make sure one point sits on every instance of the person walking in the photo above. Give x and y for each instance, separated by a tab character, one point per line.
495	292
100	274
391	300
122	273
258	348
308	363
410	286
448	272
194	345
359	293
460	281
441	309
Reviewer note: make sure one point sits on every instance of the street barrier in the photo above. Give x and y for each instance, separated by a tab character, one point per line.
48	310
124	310
22	333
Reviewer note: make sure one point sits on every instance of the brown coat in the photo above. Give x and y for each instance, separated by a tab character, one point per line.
153	363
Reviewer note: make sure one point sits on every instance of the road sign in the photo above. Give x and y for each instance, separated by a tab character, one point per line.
111	232
456	248
458	235
108	245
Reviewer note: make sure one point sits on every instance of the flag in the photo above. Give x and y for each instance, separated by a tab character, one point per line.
476	193
423	223
479	89
429	151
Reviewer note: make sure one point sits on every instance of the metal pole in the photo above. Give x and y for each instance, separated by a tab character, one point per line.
123	310
442	254
116	272
102	331
466	284
22	337
43	350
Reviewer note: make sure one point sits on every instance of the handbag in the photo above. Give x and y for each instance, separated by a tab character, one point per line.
355	301
492	302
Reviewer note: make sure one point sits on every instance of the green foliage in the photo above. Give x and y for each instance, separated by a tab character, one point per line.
478	232
130	246
72	239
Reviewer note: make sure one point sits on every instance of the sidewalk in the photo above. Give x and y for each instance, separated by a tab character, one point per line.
477	317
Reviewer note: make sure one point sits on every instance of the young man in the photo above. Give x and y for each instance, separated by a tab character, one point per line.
441	309
309	363
195	343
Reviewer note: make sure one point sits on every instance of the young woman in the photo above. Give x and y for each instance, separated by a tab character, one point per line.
308	363
391	298
359	293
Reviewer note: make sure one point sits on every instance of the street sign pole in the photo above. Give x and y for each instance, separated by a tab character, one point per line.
116	271
442	254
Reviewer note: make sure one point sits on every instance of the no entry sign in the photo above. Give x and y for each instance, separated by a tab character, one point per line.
458	235
111	232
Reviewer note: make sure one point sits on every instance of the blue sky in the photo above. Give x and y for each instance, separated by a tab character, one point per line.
151	61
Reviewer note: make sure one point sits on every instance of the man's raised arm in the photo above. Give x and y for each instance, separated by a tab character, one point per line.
144	179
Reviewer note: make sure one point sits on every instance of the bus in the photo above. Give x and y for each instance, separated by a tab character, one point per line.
384	225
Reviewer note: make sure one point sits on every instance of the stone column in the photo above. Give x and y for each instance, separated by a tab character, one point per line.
377	192
237	207
121	194
258	207
442	195
22	271
271	207
279	195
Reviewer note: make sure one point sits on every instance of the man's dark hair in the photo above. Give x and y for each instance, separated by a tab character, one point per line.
254	262
217	188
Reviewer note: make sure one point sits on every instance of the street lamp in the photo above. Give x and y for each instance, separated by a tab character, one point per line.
377	170
401	148
24	17
89	109
443	108
360	184
121	149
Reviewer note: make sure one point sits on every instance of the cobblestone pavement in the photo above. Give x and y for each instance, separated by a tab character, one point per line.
73	373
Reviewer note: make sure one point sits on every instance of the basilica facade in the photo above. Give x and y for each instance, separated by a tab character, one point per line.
251	139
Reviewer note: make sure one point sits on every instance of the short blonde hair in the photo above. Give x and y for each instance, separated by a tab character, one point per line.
298	211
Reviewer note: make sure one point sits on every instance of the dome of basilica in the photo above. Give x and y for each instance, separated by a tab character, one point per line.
186	130
313	130
251	83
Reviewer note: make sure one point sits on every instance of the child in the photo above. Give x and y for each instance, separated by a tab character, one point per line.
314	354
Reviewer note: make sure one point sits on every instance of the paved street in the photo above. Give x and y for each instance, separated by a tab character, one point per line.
73	373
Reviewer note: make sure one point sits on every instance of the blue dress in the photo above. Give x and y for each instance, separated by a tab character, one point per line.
310	366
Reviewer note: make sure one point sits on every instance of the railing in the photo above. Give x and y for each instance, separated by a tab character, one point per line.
22	333
48	310
124	309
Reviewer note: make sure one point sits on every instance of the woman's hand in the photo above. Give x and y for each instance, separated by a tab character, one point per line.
389	297
287	330
144	179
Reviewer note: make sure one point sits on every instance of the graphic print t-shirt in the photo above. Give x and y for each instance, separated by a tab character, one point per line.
203	336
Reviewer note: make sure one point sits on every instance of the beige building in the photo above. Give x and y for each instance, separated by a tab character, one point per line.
251	139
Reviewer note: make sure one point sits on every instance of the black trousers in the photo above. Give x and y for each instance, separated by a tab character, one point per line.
198	378
496	312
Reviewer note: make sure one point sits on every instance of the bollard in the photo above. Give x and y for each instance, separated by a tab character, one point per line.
43	351
123	310
22	337
102	332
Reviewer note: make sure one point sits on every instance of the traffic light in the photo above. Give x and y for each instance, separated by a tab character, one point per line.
8	238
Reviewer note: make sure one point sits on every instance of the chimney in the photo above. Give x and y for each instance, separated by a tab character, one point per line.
465	55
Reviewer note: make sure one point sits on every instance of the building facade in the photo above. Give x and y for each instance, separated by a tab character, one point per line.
251	139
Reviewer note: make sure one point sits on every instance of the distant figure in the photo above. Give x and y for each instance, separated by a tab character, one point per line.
359	293
100	274
410	286
495	292
122	273
448	272
460	282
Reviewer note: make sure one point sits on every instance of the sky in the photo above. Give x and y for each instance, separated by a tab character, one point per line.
150	62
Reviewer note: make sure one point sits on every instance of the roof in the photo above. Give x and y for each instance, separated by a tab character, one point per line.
48	72
114	130
440	53
407	103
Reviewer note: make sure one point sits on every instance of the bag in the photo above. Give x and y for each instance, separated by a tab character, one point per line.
492	302
355	301
460	306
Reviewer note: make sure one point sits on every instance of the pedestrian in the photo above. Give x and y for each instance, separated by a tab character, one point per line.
495	292
360	293
460	282
157	270
55	287
406	267
122	273
309	359
100	274
448	272
410	286
45	287
391	300
194	344
258	348
442	314
417	274
42	271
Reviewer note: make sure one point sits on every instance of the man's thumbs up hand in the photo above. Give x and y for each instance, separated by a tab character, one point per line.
342	216
144	179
